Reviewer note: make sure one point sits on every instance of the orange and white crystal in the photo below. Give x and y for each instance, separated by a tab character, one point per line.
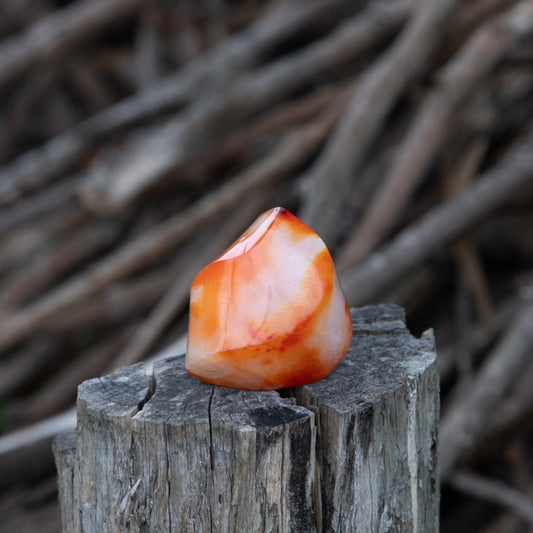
269	312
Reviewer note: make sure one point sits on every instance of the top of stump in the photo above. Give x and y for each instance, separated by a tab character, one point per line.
383	355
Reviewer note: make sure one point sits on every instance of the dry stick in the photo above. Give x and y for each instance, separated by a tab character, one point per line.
67	217
440	226
178	293
503	523
28	96
238	142
146	63
88	82
462	308
464	250
24	505
20	246
465	254
494	492
37	167
57	34
25	284
27	366
467	257
271	123
22	451
235	53
217	25
50	199
465	423
432	126
116	304
60	391
148	247
506	234
116	181
472	15
517	407
332	175
476	339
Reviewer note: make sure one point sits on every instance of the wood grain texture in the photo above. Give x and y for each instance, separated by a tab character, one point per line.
377	418
64	448
353	452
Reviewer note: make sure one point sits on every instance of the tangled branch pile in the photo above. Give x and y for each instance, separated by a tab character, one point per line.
139	138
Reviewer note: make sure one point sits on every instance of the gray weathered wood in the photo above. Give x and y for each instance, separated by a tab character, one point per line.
377	417
64	448
353	452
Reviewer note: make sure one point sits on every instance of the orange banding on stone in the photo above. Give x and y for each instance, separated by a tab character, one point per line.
269	312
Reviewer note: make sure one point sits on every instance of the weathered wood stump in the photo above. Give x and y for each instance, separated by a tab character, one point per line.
356	451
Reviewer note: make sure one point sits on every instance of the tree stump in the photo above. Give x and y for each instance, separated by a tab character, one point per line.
356	451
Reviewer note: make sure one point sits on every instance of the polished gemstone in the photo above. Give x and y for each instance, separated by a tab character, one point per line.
269	312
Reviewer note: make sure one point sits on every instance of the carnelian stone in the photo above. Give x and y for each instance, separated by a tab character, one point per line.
269	312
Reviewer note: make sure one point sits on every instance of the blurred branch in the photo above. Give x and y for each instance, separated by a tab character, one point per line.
116	304
331	177
47	40
494	492
475	339
294	148
290	115
466	421
516	409
27	366
26	454
464	250
49	199
56	262
59	392
440	226
39	166
432	126
120	177
31	93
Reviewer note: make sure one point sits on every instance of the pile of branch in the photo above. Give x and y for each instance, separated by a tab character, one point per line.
140	138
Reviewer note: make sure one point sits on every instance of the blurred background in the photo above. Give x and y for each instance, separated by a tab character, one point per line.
139	138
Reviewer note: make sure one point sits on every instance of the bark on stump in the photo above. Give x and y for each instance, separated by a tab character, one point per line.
356	451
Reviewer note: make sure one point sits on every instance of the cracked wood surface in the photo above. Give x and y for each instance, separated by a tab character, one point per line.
377	416
353	452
